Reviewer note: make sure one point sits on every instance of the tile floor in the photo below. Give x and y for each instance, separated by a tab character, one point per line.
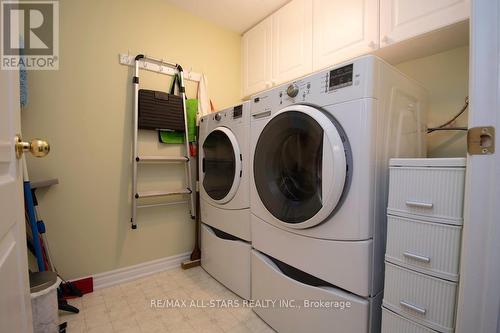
126	308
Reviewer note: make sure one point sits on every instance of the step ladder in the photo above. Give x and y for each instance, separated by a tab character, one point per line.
186	160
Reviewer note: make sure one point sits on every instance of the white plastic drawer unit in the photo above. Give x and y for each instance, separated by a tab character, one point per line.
394	323
227	260
432	188
422	298
430	248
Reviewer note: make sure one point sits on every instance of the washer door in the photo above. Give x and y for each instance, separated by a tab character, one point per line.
300	167
221	165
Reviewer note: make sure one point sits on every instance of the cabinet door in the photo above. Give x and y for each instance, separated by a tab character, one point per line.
343	30
403	19
292	41
257	58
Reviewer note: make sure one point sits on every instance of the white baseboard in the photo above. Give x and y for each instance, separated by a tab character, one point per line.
121	275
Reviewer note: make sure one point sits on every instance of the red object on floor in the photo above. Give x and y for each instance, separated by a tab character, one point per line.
86	285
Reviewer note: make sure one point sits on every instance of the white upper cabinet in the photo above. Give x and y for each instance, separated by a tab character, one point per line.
309	35
343	30
257	58
292	41
279	48
403	19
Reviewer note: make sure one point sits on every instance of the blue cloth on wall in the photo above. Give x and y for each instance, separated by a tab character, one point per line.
23	81
23	86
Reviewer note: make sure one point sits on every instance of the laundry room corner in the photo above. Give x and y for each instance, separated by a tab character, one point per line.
85	111
446	76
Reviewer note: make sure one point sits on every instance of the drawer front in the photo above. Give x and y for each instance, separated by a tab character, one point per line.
422	298
430	248
324	259
434	193
394	323
233	221
227	260
270	283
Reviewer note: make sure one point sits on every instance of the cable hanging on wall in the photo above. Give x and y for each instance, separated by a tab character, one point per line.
443	127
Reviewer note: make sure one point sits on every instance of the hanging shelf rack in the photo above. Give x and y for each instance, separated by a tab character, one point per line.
158	66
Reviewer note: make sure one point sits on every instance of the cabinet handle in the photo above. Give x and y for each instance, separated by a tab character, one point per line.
413	307
417	257
419	204
372	45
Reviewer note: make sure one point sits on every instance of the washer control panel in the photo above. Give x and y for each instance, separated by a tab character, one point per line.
340	77
344	82
292	90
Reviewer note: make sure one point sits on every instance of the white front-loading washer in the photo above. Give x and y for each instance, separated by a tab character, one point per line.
320	150
225	196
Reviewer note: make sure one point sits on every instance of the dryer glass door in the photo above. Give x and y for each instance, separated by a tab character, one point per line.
300	166
221	165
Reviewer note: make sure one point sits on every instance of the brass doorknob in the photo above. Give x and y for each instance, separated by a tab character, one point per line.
37	147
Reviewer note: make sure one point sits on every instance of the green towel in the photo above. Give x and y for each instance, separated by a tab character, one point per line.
178	137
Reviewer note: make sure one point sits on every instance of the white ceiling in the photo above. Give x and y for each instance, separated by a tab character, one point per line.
236	15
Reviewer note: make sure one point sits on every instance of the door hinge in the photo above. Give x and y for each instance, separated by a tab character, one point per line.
481	140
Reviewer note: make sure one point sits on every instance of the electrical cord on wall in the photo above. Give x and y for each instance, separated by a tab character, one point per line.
443	127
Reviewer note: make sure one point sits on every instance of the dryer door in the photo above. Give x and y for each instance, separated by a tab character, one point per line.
301	166
221	165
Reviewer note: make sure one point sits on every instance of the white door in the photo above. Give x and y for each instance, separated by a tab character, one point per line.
403	19
300	166
220	159
343	30
15	303
479	288
292	41
257	58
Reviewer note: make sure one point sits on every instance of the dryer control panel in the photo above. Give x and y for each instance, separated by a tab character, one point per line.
235	115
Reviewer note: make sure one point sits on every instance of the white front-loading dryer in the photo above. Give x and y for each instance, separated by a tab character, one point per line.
224	170
225	197
320	150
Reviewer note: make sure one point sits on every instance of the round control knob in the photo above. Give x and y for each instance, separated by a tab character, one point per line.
292	90
218	117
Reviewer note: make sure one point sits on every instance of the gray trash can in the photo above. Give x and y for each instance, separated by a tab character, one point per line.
43	288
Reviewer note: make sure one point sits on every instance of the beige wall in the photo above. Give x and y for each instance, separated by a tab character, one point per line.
446	77
85	111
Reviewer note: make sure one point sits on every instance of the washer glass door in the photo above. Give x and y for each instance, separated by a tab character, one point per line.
221	165
300	166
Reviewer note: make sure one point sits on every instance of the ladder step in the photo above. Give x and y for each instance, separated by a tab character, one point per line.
150	194
163	204
161	159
